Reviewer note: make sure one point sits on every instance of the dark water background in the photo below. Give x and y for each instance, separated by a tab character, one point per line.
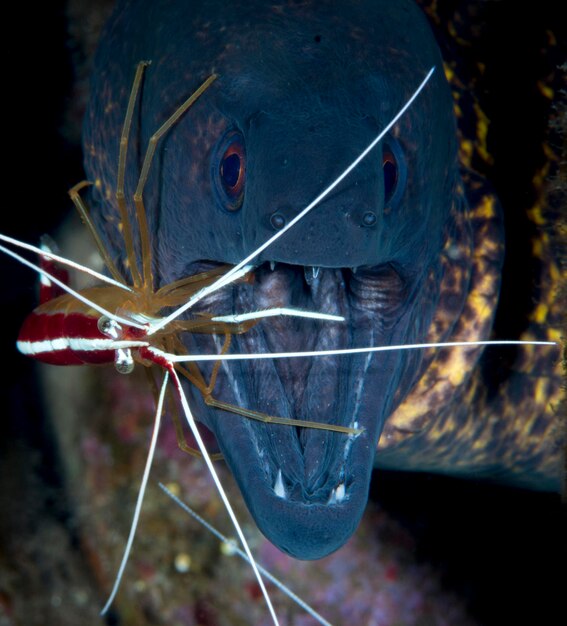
503	550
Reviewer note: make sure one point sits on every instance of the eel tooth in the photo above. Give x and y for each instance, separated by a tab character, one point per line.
311	274
279	488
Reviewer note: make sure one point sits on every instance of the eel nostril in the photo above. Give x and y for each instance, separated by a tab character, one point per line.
369	218
277	220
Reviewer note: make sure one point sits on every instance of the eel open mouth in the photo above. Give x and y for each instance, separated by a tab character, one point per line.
307	488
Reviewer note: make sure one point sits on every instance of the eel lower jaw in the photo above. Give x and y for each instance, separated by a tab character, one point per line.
303	528
308	505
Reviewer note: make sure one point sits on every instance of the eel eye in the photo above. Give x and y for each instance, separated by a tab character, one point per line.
390	169
231	172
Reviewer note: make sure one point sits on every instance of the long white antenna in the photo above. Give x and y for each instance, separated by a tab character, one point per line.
71	291
63	261
237	318
141	492
317	353
220	488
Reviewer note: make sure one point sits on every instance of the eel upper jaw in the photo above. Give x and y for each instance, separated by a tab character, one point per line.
306	488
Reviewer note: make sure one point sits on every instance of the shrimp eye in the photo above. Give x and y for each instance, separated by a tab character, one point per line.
390	169
230	171
109	327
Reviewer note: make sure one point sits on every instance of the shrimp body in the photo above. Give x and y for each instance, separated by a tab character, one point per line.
65	331
59	336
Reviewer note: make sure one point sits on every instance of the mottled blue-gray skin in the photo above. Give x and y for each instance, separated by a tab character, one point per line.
303	88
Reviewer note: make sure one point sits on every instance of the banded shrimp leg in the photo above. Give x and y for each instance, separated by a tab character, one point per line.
148	302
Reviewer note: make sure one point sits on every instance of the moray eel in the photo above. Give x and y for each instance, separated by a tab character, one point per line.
408	248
